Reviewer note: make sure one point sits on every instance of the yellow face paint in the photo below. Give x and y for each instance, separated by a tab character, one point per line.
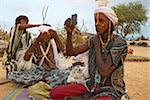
101	23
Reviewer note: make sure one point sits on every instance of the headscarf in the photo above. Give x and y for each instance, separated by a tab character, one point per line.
21	17
44	28
109	13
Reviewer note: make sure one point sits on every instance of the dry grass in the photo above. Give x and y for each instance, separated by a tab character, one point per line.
137	76
5	88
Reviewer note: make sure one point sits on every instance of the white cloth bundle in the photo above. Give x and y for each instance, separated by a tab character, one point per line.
44	28
22	64
76	75
79	73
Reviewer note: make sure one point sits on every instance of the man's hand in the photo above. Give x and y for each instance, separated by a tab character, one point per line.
43	37
27	56
52	33
69	26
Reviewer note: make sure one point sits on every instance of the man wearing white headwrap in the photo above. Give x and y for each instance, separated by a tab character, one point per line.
107	53
109	13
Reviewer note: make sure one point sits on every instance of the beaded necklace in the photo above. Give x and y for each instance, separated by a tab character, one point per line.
104	44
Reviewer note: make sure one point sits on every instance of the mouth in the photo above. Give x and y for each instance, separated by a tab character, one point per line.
98	30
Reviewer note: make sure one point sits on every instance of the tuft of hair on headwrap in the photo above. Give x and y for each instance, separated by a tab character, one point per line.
100	3
109	13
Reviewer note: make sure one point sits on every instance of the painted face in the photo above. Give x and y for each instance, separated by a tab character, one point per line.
101	23
23	21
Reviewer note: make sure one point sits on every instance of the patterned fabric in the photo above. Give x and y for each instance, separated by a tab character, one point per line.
26	77
117	47
57	77
105	91
38	54
30	77
19	40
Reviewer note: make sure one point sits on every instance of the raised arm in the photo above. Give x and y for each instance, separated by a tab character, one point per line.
24	26
57	40
74	51
70	50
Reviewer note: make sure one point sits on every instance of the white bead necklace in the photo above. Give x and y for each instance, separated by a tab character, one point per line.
104	44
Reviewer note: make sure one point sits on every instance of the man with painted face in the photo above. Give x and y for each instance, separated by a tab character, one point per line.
107	52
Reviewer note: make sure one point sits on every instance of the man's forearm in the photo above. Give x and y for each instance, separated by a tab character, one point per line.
31	49
69	45
59	43
24	26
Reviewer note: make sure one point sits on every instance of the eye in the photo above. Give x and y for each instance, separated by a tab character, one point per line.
101	20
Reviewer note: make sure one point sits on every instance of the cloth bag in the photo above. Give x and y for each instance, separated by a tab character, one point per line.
39	91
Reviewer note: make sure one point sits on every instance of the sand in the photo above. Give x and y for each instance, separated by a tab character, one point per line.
137	76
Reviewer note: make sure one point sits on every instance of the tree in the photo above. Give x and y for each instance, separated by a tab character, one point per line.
131	17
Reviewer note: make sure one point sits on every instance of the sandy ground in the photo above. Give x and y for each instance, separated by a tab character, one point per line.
137	77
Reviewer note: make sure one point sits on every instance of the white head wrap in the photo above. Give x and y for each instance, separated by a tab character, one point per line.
109	13
44	28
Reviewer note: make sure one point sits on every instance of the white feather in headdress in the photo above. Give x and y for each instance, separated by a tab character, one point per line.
100	3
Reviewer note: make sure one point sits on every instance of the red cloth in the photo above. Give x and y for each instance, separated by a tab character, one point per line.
104	98
73	89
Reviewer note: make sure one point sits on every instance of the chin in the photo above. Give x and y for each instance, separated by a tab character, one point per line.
99	33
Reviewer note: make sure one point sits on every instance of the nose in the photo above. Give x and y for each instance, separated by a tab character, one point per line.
99	24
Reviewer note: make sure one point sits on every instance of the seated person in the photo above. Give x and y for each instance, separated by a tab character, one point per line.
20	39
107	52
46	68
43	49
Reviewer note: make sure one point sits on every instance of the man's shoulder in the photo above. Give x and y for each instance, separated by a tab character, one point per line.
93	36
14	27
119	39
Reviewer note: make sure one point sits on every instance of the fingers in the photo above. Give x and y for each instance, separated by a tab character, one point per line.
68	22
52	33
68	25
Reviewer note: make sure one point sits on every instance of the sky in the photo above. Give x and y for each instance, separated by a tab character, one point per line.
58	12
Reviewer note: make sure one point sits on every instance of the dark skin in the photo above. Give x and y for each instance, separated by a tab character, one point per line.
42	38
101	24
24	24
